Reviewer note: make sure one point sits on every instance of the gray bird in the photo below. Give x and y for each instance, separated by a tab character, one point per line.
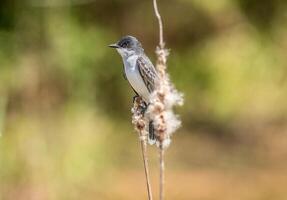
138	70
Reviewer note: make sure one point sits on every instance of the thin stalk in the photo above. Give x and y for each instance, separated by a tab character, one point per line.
161	42
161	66
161	173
146	168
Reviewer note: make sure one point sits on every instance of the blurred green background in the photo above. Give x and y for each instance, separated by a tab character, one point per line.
65	122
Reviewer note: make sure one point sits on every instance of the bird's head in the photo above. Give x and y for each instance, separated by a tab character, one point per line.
128	46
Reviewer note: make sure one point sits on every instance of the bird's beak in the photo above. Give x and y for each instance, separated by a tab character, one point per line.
114	46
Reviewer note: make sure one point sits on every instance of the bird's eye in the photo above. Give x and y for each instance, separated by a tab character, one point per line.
125	45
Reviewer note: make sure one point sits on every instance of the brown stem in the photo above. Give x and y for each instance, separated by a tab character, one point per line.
161	173
161	67
161	43
145	161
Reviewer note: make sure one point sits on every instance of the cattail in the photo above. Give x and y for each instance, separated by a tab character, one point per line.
163	99
140	123
159	111
138	118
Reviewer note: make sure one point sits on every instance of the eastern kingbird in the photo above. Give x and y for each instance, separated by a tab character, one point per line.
138	70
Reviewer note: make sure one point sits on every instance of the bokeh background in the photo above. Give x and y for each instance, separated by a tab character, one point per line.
65	122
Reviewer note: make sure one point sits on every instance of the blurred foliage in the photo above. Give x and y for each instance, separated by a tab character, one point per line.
65	107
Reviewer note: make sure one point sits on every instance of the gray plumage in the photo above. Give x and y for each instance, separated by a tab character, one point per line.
138	70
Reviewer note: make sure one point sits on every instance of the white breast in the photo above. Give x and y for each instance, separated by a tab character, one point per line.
135	78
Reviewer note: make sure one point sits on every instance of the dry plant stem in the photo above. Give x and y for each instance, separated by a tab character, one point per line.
140	123
161	67
161	43
164	98
146	168
161	175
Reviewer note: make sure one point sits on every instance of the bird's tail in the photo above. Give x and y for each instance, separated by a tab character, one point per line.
151	135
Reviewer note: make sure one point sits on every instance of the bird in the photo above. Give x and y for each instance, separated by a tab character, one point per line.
139	71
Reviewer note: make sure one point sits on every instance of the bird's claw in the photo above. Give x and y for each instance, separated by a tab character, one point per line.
143	106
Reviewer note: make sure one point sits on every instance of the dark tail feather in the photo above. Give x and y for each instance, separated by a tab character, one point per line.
151	136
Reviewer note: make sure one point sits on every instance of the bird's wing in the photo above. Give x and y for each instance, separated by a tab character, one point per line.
147	72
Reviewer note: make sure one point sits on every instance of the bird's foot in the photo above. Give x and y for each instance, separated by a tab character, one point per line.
142	105
144	108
